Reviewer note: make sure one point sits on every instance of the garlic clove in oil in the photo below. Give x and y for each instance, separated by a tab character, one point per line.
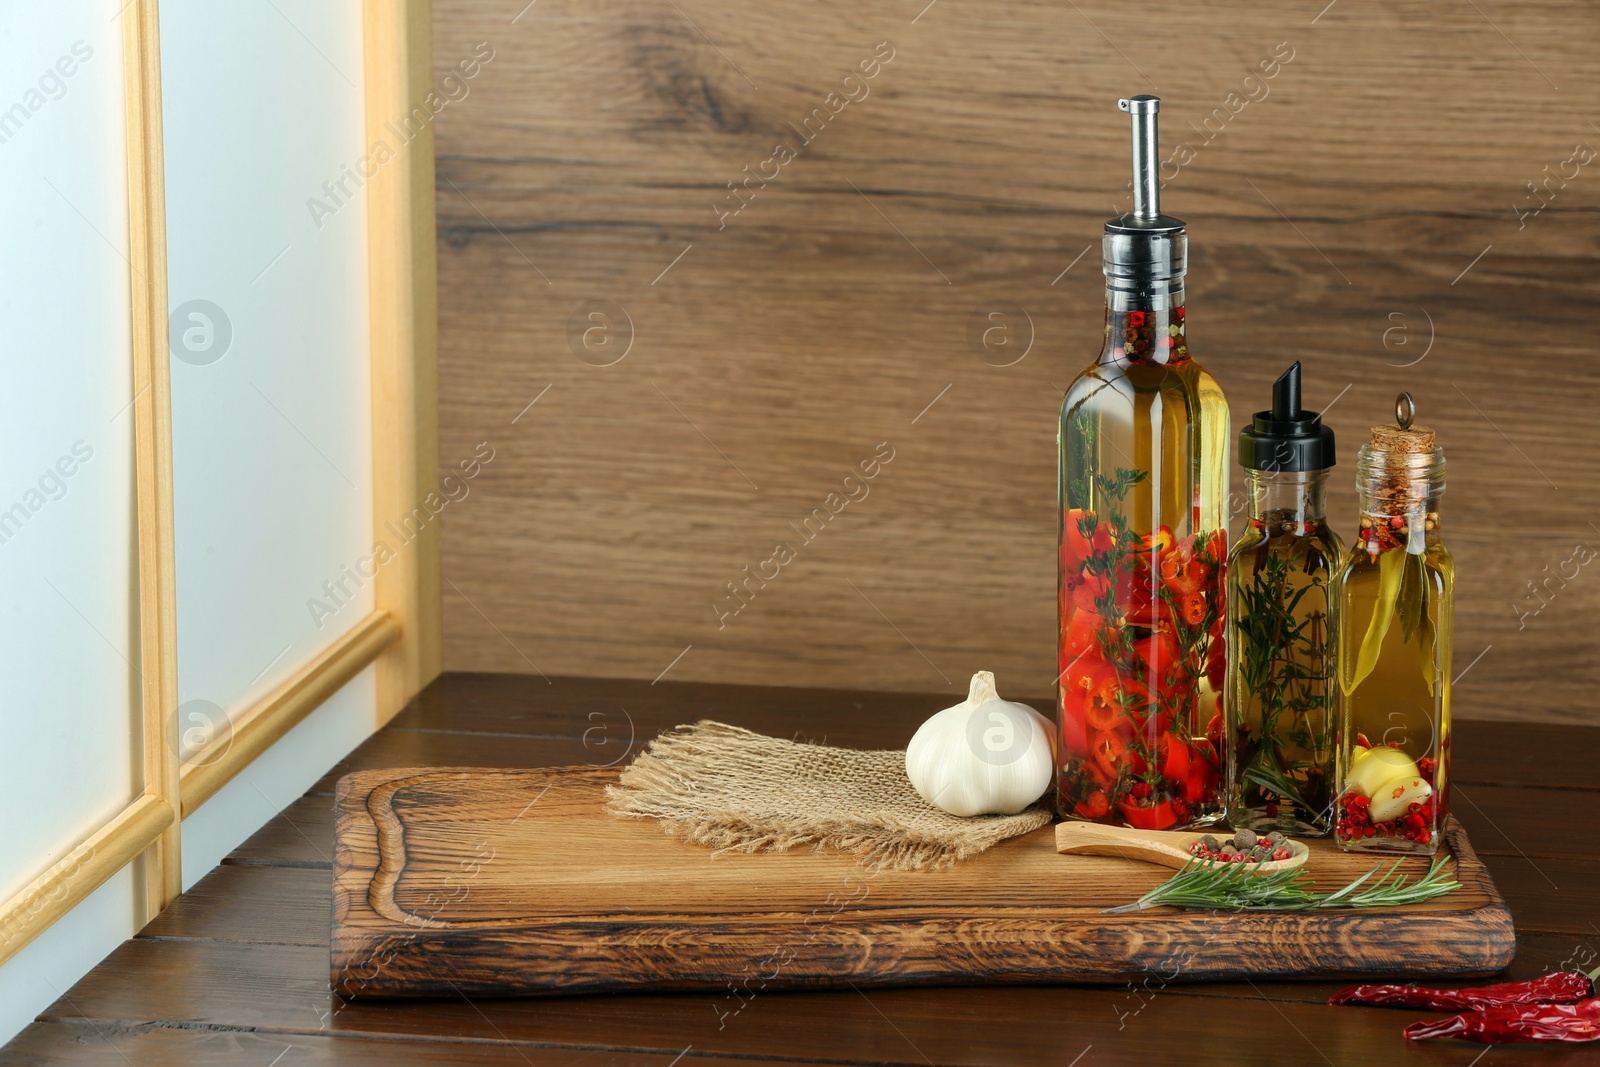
984	756
1375	766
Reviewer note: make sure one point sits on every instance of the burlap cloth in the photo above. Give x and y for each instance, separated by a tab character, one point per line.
734	790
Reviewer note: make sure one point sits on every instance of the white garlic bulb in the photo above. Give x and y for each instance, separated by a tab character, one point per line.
985	756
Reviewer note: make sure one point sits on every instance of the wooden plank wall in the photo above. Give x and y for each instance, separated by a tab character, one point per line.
1358	209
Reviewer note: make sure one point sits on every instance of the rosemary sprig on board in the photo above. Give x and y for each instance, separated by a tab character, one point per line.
1235	887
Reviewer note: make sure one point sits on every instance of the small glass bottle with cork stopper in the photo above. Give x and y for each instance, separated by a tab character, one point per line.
1395	597
1280	704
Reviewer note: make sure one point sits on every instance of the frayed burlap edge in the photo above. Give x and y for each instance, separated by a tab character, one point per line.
734	790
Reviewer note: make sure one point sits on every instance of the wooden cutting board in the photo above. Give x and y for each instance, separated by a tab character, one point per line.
495	882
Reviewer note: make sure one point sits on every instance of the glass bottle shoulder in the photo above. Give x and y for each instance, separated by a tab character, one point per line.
1316	548
1114	382
1097	385
1436	558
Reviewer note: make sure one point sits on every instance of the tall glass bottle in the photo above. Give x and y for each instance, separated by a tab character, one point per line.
1396	599
1142	491
1281	700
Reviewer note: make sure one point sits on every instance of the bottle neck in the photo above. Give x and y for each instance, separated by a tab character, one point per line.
1138	332
1398	494
1399	484
1288	496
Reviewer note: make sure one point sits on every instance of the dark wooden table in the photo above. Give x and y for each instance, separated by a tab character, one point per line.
236	971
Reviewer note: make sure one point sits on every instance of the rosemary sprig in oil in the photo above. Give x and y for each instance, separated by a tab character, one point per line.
1236	887
1286	672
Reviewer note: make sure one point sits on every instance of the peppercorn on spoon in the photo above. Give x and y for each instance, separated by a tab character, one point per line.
1166	847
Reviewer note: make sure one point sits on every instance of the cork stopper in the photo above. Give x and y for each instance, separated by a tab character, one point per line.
1410	441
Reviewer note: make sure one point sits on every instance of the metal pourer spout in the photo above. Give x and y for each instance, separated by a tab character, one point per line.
1146	186
1144	253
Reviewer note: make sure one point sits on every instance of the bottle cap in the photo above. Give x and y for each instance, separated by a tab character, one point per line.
1402	436
1287	438
1145	253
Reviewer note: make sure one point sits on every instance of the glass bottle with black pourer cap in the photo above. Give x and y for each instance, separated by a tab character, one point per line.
1279	714
1142	489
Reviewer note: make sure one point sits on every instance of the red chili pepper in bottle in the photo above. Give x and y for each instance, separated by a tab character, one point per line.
1559	988
1193	609
1110	751
1508	1023
1160	817
1095	806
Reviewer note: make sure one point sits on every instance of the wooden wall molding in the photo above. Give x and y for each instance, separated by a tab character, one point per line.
261	725
31	910
404	331
152	408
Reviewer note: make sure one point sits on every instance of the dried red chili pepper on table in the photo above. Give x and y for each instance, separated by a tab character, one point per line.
1508	1023
1559	988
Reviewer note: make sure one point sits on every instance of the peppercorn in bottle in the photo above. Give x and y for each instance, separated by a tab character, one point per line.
1395	598
1280	702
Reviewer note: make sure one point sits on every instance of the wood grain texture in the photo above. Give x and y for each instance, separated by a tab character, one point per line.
83	1044
1548	895
612	717
207	990
1331	220
299	836
254	903
201	985
279	904
402	749
519	882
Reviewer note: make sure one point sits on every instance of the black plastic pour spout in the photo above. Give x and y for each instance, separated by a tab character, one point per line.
1286	438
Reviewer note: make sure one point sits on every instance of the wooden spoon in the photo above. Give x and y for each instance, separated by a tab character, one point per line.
1167	847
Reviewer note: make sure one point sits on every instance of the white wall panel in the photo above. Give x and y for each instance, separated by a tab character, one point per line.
270	376
278	778
67	726
37	976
